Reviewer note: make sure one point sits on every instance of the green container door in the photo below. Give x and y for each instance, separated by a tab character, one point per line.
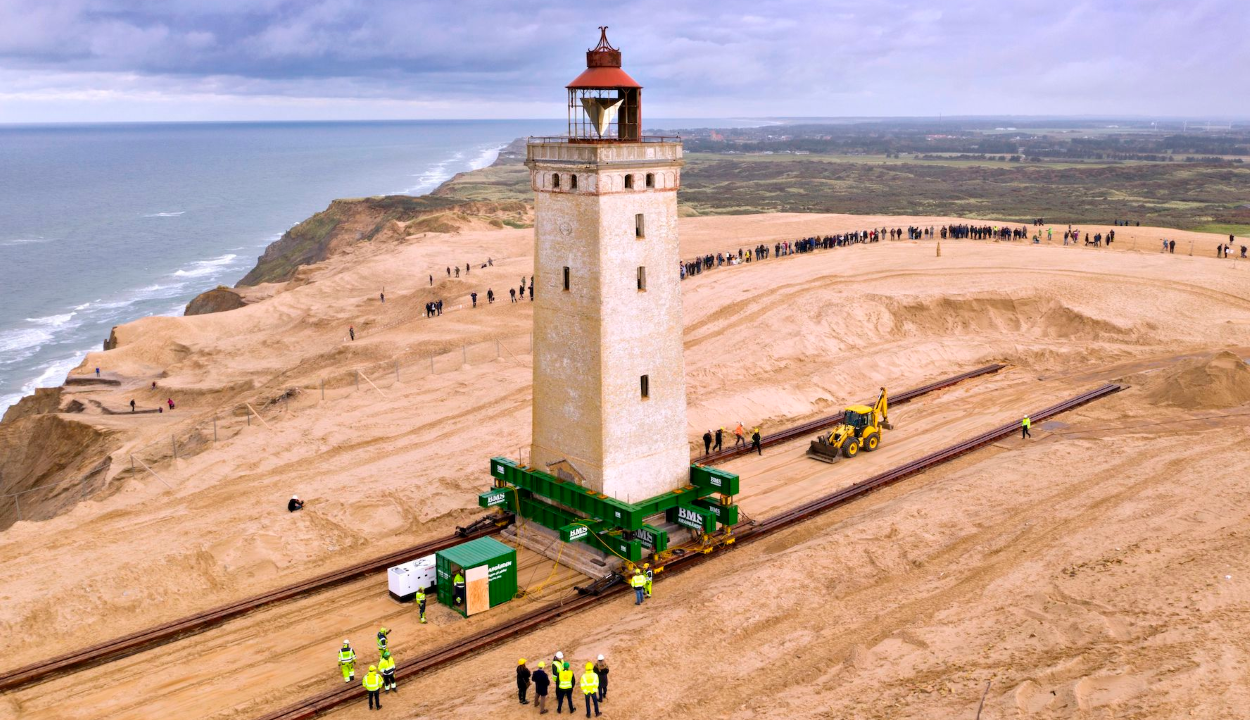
489	570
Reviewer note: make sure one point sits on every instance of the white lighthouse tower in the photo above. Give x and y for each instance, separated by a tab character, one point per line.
609	378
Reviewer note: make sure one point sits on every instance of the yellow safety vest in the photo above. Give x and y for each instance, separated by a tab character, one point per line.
1026	422
420	596
637	580
346	656
566	679
590	683
373	681
386	664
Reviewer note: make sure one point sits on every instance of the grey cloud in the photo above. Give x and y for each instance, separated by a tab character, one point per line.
728	57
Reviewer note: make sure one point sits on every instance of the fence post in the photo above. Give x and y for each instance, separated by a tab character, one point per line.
132	463
214	428
357	380
249	419
323	388
396	371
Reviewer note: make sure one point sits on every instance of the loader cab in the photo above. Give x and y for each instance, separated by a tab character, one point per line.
858	417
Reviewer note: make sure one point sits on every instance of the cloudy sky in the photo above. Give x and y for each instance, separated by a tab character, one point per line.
100	60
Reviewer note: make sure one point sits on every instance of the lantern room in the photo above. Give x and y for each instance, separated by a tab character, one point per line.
604	101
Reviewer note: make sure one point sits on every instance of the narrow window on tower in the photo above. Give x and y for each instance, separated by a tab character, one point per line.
555	181
642	278
572	182
566	277
650	180
646	387
640	231
629	182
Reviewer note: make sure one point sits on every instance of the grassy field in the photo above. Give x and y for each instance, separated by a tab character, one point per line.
1189	196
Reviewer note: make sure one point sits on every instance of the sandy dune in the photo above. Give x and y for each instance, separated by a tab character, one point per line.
1094	571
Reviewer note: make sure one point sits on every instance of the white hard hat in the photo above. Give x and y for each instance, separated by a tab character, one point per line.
600	657
347	642
295	497
560	656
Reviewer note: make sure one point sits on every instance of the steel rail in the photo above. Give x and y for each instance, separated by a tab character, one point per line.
141	640
326	701
829	421
135	642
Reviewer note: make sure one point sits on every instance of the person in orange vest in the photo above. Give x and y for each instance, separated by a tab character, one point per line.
739	435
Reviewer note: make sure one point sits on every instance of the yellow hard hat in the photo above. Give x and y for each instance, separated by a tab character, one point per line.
646	565
521	661
590	666
373	668
542	664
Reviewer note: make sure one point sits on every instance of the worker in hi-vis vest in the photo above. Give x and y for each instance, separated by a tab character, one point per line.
457	586
420	598
649	576
1024	428
590	688
639	583
564	688
382	633
373	686
347	661
386	666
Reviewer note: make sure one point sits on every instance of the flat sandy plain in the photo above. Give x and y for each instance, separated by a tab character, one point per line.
1098	570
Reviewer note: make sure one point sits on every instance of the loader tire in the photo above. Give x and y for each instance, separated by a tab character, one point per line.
850	447
871	442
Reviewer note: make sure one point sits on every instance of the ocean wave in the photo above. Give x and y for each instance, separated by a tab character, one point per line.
433	176
487	157
53	374
164	214
12	242
200	268
20	343
53	320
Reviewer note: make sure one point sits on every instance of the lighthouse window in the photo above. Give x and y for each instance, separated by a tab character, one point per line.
642	278
555	181
572	182
566	277
639	230
650	180
646	387
629	182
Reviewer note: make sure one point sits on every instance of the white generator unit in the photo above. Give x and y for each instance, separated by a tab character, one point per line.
404	580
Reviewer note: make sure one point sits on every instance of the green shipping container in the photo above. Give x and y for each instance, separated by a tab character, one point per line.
489	569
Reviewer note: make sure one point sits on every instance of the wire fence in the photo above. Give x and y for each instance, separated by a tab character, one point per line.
267	409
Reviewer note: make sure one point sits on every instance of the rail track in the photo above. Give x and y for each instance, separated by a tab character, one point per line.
829	421
330	699
136	642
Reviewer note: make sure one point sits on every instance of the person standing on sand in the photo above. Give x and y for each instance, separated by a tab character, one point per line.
466	268
512	293
1024	428
490	296
351	331
431	281
755	442
720	437
590	688
373	687
707	443
448	272
171	404
541	683
132	404
473	295
601	669
522	681
739	435
1171	247
382	297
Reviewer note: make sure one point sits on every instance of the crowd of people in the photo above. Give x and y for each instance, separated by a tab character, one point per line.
593	683
714	440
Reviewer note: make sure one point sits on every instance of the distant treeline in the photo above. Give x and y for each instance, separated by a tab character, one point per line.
1103	144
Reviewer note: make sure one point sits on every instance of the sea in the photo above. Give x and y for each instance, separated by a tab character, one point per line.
101	224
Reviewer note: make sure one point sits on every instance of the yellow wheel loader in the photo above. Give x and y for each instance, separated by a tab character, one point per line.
860	429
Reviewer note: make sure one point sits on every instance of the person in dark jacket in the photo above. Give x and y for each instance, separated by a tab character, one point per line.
601	669
707	443
541	682
755	441
522	681
720	438
294	504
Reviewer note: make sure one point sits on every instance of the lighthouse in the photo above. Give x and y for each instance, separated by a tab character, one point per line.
609	378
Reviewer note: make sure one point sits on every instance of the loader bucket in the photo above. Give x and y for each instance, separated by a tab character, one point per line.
822	451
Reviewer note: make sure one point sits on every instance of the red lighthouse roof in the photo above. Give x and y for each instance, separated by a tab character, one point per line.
603	68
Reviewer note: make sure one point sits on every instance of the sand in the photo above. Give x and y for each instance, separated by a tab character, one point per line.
1095	571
